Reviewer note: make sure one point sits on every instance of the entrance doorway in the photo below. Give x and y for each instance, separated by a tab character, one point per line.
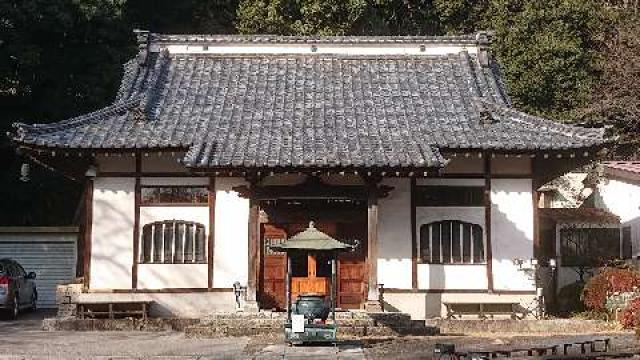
344	220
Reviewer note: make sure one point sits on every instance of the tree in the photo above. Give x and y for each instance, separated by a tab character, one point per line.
549	51
299	17
57	59
615	100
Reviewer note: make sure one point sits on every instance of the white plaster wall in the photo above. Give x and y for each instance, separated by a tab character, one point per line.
511	232
347	49
437	276
112	233
162	276
394	236
456	277
231	234
430	305
623	199
157	276
183	305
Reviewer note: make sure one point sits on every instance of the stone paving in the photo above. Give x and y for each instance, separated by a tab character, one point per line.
25	339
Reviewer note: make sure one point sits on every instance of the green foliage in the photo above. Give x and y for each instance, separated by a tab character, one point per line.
57	59
615	100
568	299
299	17
574	60
549	51
183	16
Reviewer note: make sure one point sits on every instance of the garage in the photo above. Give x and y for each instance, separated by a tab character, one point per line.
50	252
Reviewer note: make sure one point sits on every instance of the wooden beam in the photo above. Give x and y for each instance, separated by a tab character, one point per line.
487	219
537	241
414	237
254	251
136	224
88	222
372	244
212	231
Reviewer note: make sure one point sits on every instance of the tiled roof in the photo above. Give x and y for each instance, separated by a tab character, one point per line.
470	39
582	214
312	110
626	169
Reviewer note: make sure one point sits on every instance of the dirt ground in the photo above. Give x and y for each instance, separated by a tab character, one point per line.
422	348
25	339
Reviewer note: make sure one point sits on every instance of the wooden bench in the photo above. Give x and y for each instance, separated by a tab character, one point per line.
114	308
482	309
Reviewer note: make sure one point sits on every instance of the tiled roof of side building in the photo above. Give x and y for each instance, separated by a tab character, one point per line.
624	169
310	110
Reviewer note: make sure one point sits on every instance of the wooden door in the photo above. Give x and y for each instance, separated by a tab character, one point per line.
274	269
351	283
352	270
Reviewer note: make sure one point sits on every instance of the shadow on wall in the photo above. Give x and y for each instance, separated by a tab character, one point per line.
512	238
111	260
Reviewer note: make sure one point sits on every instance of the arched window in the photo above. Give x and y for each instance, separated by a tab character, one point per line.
451	242
173	242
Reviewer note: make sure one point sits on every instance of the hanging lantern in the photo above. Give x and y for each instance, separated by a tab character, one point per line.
24	172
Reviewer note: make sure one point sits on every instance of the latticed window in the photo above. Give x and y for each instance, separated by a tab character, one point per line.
173	242
589	246
451	242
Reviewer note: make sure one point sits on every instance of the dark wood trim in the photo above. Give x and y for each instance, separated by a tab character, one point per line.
204	186
212	231
481	176
451	264
175	205
487	218
414	236
372	242
236	173
87	241
537	241
136	226
150	175
159	291
254	251
458	291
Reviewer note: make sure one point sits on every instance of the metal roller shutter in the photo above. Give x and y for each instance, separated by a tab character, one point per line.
51	255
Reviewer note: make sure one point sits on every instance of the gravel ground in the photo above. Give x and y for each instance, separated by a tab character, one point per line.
24	339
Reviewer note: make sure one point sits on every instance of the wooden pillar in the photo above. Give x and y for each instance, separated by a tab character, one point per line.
414	236
373	303
136	225
487	218
212	231
86	236
254	254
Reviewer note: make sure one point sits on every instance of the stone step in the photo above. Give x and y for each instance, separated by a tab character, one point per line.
351	323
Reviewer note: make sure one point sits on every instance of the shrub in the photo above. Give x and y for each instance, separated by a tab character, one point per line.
608	280
631	315
568	299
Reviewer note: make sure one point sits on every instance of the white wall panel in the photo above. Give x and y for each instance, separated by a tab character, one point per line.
511	232
112	233
394	235
231	234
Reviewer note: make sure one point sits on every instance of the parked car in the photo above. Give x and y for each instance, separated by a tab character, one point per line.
17	288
